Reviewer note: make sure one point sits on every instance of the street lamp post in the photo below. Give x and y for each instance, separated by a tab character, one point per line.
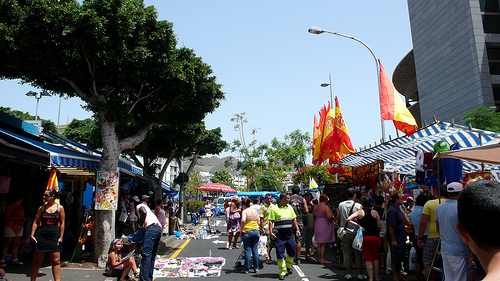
329	84
317	30
37	96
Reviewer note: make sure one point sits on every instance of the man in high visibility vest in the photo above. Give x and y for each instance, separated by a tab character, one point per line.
282	222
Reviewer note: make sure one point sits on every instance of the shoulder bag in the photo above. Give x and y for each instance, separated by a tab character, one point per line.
341	232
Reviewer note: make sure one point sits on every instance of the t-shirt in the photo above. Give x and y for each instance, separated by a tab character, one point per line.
430	210
151	218
345	212
415	218
395	219
297	203
283	220
264	215
451	243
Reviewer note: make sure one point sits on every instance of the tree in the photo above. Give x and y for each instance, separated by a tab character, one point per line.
46	124
483	118
224	177
195	181
85	131
119	59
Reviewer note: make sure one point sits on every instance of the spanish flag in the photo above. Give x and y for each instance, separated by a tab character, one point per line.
316	145
52	183
327	144
319	133
342	142
392	106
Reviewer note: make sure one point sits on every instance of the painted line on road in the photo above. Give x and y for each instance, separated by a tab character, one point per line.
180	249
171	249
299	271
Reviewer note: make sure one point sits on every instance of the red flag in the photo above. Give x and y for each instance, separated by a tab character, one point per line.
392	106
342	143
53	183
327	144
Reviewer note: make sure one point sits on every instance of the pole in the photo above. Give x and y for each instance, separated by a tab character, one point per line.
316	30
59	113
36	112
331	94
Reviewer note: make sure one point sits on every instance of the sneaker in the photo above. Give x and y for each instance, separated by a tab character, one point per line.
403	273
361	277
298	262
282	277
348	277
246	271
255	271
288	271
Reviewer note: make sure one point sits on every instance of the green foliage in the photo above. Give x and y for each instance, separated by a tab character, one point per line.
85	131
195	181
303	175
483	118
46	124
224	177
194	206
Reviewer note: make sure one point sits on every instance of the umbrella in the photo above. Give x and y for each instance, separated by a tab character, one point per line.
217	187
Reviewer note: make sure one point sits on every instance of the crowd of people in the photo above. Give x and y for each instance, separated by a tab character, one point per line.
449	221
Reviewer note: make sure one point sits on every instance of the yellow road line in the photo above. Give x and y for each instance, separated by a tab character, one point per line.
171	249
180	249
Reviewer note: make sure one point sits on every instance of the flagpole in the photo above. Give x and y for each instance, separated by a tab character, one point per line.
317	30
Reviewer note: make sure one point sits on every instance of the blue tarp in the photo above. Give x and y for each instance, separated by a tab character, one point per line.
254	193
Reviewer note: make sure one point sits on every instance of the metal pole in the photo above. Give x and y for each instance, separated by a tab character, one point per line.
316	30
59	113
331	95
36	112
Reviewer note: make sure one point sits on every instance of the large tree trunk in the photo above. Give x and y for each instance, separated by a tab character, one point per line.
104	224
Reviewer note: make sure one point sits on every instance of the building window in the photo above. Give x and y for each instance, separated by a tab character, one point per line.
489	6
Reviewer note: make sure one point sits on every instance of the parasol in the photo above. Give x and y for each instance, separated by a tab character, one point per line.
217	187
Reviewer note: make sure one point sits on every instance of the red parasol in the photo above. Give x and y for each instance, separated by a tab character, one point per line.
217	187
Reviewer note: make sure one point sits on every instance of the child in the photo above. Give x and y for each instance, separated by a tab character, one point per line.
116	266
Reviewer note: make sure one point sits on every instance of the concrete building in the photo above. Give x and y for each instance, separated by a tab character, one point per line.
455	62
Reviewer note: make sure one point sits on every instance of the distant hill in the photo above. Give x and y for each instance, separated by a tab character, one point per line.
211	164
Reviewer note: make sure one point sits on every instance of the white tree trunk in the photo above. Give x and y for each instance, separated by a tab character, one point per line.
104	224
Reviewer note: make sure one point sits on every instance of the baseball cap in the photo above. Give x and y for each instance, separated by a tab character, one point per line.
454	187
410	199
144	196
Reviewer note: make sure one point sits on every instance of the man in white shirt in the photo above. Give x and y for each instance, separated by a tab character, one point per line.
153	230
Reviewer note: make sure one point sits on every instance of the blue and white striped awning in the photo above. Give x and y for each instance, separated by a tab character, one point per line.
399	154
63	157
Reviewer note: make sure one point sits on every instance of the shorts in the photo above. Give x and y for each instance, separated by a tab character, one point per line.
371	248
270	242
430	249
307	235
9	233
133	218
298	239
420	251
116	272
398	253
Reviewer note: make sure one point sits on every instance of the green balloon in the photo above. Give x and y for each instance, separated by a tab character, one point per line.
441	146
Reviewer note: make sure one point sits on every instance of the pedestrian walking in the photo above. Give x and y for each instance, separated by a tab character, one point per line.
283	220
250	222
265	210
152	235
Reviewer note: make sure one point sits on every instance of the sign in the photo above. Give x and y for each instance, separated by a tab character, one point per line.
106	196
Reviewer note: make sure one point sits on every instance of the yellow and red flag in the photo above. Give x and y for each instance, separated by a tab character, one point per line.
327	144
52	183
392	106
316	147
342	141
319	133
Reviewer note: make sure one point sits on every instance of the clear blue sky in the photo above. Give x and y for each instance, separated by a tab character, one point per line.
271	68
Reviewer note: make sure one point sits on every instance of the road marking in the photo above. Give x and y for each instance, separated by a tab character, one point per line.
180	249
299	271
171	249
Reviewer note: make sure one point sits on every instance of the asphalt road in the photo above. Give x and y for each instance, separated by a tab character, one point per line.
173	247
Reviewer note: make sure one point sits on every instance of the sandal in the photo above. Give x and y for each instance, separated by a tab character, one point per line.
40	274
236	246
2	263
17	262
229	248
268	261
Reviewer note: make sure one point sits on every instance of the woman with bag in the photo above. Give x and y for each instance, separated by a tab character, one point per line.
323	227
369	220
233	224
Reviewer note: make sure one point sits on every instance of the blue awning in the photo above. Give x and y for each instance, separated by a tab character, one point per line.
63	157
399	154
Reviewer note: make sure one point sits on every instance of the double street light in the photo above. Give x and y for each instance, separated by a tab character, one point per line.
317	30
37	96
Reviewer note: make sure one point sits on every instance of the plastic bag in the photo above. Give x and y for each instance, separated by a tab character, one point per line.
261	247
412	260
358	240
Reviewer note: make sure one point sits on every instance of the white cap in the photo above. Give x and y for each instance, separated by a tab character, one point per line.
454	187
144	196
135	198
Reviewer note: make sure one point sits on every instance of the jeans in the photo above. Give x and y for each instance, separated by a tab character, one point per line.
151	240
250	243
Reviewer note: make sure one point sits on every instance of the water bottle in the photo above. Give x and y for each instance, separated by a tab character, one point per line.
210	253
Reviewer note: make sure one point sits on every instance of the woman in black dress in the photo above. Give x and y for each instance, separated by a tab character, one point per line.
49	227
